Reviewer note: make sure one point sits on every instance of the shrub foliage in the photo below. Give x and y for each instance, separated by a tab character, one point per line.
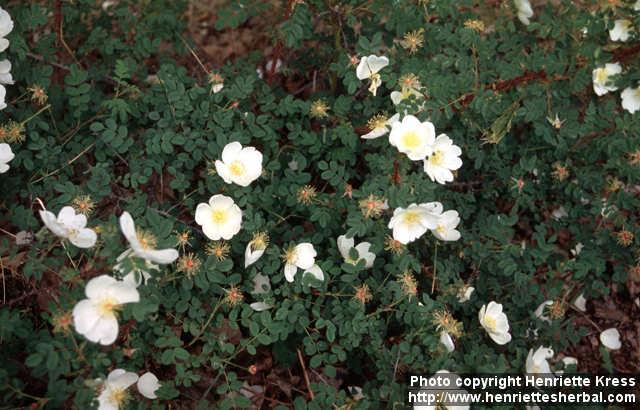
131	123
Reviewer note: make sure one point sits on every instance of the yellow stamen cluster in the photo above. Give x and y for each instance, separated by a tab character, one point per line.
147	239
289	255
12	132
108	305
377	121
215	78
233	296
372	206
182	239
557	310
443	320
260	240
306	194
409	81
219	249
348	191
62	322
38	94
624	237
319	109
408	284
477	25
119	397
614	184
560	172
413	40
363	294
83	204
634	157
189	264
393	246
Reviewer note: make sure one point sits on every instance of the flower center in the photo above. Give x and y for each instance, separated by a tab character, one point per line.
440	229
118	396
290	255
351	261
411	139
601	76
378	121
411	217
219	216
146	239
236	168
490	323
437	158
107	306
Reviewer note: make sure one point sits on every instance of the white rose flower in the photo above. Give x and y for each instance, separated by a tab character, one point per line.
577	249
369	67
346	244
239	165
142	243
631	99
445	157
413	137
379	126
539	312
255	248
621	30
525	12
447	341
3	94
5	73
495	322
114	392
301	256
95	317
411	223
6	155
601	75
580	303
398	96
537	361
148	384
445	229
221	218
71	226
465	294
610	339
6	25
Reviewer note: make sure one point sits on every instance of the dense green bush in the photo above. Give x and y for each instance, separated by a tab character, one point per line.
114	109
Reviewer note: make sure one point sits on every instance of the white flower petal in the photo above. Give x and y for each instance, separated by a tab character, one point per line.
148	384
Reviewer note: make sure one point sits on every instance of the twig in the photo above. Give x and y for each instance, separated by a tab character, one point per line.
435	260
306	376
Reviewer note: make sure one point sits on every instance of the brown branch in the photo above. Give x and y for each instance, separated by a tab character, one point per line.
622	54
306	375
505	85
